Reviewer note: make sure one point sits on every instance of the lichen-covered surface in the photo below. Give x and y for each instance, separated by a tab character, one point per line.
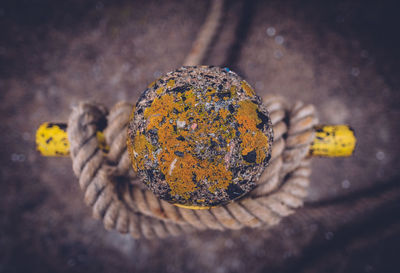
341	56
200	136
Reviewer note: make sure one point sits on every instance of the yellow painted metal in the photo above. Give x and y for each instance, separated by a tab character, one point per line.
330	141
191	207
333	141
52	140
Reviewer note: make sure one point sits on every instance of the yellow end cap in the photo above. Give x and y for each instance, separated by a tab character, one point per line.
52	139
333	141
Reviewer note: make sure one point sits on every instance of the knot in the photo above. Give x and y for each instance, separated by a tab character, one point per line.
118	198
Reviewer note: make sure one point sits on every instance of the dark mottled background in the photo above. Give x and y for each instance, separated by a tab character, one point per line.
342	56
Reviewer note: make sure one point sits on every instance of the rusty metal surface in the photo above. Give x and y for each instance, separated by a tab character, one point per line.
341	56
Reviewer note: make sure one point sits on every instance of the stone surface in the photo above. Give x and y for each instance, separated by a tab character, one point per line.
200	137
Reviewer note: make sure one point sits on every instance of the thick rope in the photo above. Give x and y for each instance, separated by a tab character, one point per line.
119	199
205	35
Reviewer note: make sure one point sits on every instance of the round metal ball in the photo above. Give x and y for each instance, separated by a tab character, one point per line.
200	137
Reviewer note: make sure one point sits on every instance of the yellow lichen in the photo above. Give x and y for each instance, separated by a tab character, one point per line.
247	89
141	147
233	90
159	90
170	83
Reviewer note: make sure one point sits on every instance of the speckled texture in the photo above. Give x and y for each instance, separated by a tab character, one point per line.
200	136
340	55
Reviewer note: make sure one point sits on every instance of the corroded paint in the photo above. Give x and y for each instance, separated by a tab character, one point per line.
52	140
333	141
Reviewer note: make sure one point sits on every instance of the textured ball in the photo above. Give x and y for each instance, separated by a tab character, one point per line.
200	137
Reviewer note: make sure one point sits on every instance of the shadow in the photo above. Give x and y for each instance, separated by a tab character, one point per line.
241	34
371	230
217	35
374	225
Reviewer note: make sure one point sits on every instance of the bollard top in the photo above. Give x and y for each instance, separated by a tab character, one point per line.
200	137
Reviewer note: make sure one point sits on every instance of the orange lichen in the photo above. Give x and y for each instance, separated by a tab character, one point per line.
187	125
252	137
200	138
183	124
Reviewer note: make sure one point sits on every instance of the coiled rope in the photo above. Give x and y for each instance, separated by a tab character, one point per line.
119	199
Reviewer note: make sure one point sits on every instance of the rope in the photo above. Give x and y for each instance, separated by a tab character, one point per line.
119	199
206	34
